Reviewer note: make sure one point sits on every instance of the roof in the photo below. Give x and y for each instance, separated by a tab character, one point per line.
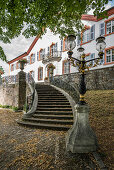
84	17
88	17
26	53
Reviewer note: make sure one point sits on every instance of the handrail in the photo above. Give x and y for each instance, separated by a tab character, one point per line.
12	79
31	100
69	88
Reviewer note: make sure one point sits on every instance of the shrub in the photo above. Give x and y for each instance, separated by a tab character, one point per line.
15	108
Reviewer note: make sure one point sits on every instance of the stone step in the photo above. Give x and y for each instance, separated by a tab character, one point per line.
48	91
49	121
44	125
65	117
54	112
53	103
53	100
53	106
50	94
55	109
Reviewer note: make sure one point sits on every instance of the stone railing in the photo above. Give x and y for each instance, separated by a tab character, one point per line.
31	97
19	90
54	56
67	87
13	79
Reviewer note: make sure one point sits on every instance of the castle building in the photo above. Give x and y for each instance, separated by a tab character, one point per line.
50	49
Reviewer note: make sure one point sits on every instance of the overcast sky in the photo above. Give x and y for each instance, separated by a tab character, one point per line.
20	45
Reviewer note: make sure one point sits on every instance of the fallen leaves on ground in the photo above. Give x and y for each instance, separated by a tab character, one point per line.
40	149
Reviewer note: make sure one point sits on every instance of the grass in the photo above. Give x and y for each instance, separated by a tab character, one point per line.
101	104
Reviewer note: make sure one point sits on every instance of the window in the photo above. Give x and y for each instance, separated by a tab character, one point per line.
101	61
86	36
92	32
102	29
89	57
55	47
32	58
66	67
28	59
48	51
109	55
42	54
78	39
109	27
61	45
12	67
40	73
37	56
32	74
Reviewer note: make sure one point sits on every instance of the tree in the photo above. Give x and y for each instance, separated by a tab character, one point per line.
61	16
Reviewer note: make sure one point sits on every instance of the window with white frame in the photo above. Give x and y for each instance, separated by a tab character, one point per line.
40	73
61	45
55	47
32	58
89	57
32	74
92	32
102	29
86	36
110	27
66	67
12	67
78	39
37	56
110	55
42	54
102	60
48	51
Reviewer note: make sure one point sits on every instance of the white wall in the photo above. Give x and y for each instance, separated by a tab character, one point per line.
47	40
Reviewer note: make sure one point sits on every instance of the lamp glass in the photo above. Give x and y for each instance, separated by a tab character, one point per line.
71	44
80	51
100	45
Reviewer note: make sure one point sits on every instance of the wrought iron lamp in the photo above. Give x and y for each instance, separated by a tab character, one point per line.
82	63
80	138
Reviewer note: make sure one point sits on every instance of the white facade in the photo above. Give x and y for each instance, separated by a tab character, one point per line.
52	45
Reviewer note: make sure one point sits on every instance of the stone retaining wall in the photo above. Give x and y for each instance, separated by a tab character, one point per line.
99	79
14	94
9	95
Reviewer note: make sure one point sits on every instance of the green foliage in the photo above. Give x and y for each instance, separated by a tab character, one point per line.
25	107
1	69
9	107
60	16
15	108
2	54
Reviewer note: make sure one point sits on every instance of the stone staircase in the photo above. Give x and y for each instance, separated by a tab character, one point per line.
53	110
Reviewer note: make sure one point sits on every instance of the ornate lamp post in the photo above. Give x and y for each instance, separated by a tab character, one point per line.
81	138
81	63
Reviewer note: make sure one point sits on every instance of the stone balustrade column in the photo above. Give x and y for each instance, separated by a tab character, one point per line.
22	89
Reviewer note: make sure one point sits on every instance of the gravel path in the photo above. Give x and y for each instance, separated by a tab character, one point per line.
23	148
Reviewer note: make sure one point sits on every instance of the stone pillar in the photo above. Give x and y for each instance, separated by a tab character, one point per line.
22	89
81	138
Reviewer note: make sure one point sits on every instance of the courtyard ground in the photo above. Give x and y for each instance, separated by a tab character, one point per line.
24	148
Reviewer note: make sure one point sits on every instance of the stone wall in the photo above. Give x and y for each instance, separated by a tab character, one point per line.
9	95
99	79
14	94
